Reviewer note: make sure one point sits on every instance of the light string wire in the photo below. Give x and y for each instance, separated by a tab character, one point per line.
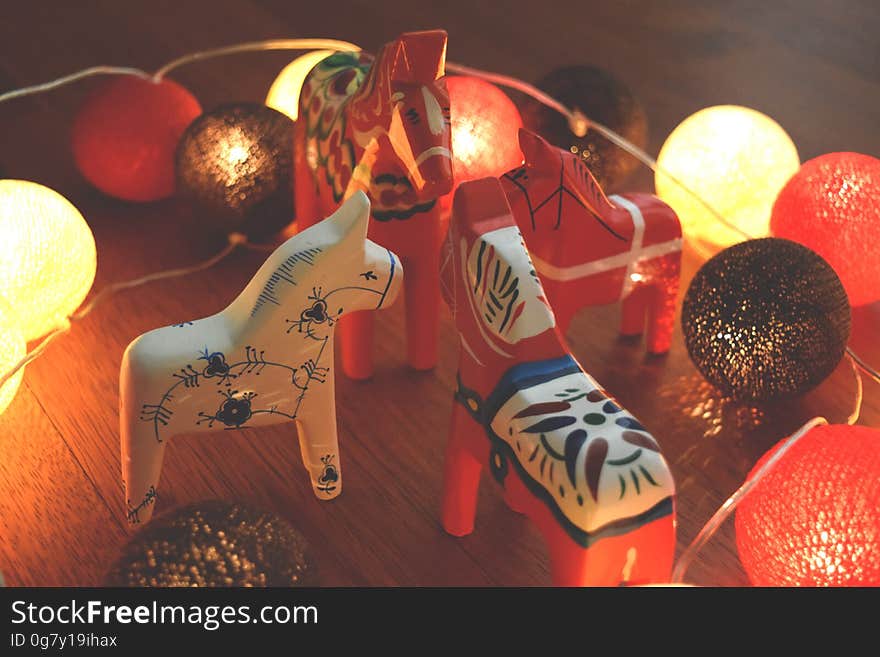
252	46
73	77
578	123
724	511
258	46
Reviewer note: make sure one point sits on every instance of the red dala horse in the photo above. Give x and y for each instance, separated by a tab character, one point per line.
582	468
381	125
589	249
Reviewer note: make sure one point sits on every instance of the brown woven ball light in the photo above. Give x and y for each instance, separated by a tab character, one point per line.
213	544
236	163
766	319
601	97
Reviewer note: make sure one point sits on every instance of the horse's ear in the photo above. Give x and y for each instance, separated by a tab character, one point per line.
536	151
420	57
352	218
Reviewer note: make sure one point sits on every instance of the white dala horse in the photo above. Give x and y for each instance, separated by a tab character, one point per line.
267	358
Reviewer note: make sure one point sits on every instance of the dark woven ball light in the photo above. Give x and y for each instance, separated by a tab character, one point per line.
215	544
601	97
766	319
236	164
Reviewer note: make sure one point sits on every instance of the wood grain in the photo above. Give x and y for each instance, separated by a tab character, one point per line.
811	65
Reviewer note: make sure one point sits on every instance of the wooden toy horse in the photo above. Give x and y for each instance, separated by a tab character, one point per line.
267	358
382	126
589	249
583	469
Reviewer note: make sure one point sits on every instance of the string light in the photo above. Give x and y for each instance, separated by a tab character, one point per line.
578	122
734	155
124	136
485	125
236	163
814	520
579	125
765	319
47	255
832	205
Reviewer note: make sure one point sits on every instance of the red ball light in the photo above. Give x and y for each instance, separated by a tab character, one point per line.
832	205
814	519
485	127
125	135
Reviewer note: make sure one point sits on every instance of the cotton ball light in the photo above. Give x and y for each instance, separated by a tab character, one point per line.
814	518
215	543
765	319
284	93
47	256
485	128
832	205
125	134
734	158
236	163
12	350
603	98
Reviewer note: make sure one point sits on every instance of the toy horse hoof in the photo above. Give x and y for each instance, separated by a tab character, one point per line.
583	469
266	359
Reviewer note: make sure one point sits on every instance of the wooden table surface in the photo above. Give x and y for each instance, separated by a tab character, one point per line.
812	65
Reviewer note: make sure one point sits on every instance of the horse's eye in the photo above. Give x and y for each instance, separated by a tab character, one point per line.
412	115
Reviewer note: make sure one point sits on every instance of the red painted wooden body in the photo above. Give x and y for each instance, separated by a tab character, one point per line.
577	464
382	126
592	250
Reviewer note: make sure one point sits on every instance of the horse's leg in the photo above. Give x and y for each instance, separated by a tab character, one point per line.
466	450
640	556
422	293
142	452
305	197
633	309
661	312
318	439
650	552
355	331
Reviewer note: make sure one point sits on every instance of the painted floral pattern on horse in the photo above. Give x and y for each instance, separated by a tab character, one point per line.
595	460
325	92
512	305
331	140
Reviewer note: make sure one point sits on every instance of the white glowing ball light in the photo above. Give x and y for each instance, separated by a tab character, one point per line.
47	256
284	92
734	158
